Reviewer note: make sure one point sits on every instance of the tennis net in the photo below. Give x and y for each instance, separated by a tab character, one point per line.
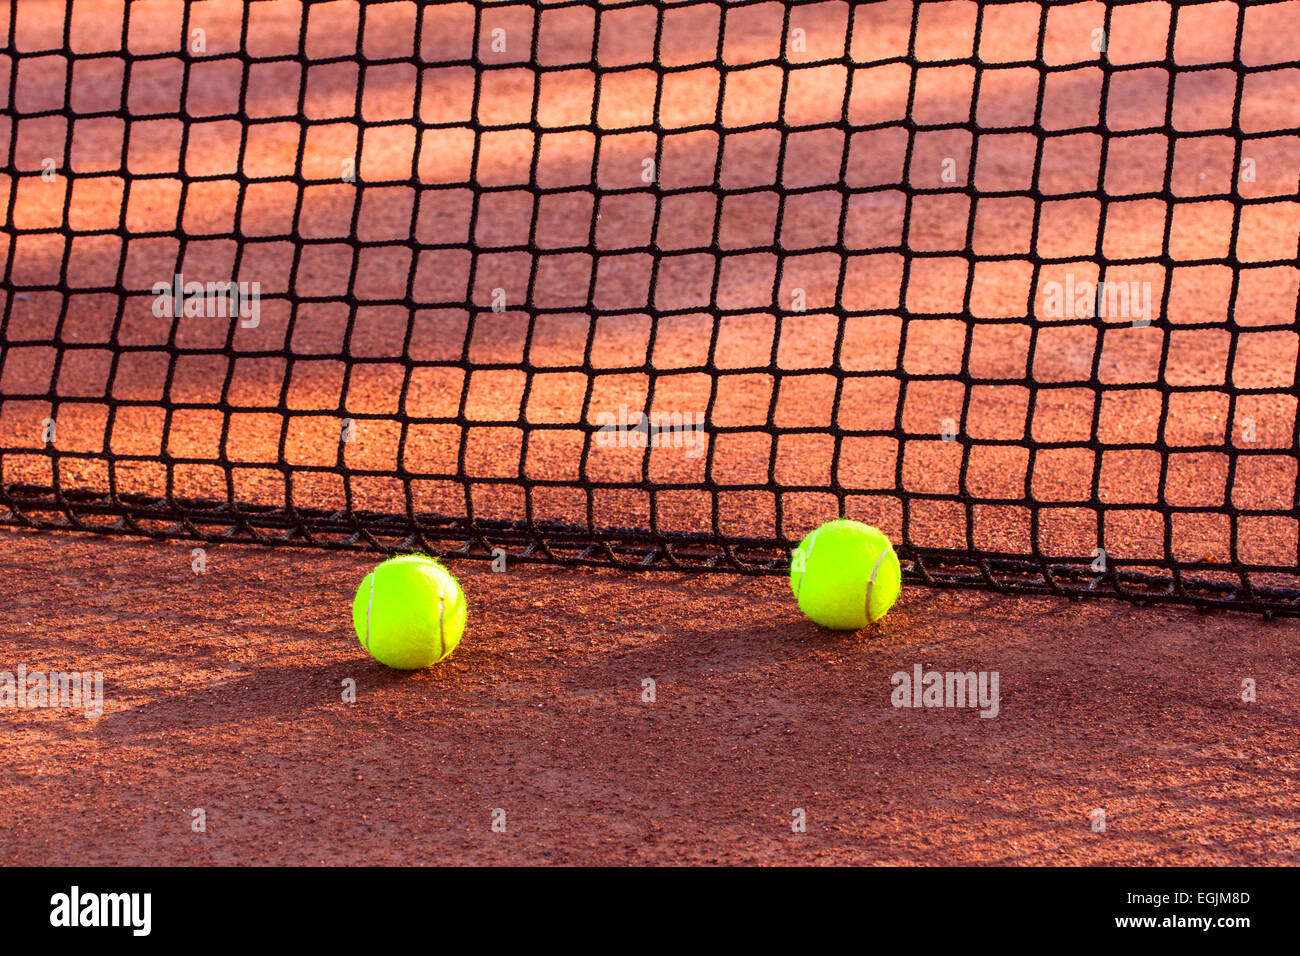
665	285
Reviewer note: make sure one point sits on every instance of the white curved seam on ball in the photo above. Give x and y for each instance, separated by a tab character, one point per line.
871	581
442	641
807	554
373	574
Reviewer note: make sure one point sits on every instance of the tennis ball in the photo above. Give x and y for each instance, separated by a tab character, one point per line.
845	575
409	612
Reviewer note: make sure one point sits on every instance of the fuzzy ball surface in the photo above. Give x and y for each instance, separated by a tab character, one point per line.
845	575
409	612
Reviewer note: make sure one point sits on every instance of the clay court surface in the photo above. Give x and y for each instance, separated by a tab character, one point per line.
224	689
222	692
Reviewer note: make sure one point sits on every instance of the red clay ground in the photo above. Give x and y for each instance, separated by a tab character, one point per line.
222	692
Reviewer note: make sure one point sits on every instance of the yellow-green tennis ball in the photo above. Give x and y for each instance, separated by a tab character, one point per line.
409	612
845	575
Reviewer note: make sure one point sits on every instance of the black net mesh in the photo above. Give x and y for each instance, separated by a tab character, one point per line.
664	284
